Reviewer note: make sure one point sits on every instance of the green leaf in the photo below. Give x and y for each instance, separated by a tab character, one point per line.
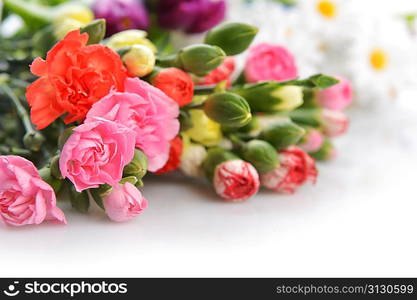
95	194
318	81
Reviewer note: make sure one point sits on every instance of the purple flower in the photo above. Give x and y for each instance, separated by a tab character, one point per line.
122	14
192	16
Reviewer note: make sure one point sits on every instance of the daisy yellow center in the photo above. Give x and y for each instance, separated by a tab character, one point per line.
327	8
378	59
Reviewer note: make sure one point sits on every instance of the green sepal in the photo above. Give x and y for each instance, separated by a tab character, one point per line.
79	201
96	31
233	38
216	156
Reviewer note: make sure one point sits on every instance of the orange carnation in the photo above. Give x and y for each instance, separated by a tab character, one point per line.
72	78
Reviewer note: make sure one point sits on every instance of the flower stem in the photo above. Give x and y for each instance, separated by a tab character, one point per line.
30	11
14	151
21	111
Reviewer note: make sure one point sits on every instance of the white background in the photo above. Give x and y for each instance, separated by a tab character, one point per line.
359	220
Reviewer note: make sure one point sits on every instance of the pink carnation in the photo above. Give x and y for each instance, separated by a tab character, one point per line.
312	141
270	62
96	153
24	197
336	97
236	180
149	112
124	202
334	123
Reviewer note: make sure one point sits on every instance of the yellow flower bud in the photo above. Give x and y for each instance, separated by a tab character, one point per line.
291	97
139	60
70	17
204	130
129	38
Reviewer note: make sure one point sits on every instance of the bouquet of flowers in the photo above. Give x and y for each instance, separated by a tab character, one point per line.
103	108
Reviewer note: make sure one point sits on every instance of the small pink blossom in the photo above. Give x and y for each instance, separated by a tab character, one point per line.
270	62
150	113
96	153
313	141
296	168
124	202
336	97
24	197
334	123
236	180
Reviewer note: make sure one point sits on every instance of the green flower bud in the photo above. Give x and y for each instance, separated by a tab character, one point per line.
137	167
233	38
283	134
198	59
201	59
271	96
96	31
250	127
307	117
79	201
228	109
216	156
55	171
33	140
261	155
326	151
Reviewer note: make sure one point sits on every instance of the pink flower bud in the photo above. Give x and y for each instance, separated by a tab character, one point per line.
296	168
336	97
312	141
334	123
124	202
235	180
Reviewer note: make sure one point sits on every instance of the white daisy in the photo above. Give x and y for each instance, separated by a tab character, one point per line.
382	61
330	26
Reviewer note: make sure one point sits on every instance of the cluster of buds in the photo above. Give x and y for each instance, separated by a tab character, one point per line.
246	134
323	118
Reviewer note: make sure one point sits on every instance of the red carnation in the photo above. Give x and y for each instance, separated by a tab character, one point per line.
221	73
174	159
236	180
176	84
296	168
72	78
